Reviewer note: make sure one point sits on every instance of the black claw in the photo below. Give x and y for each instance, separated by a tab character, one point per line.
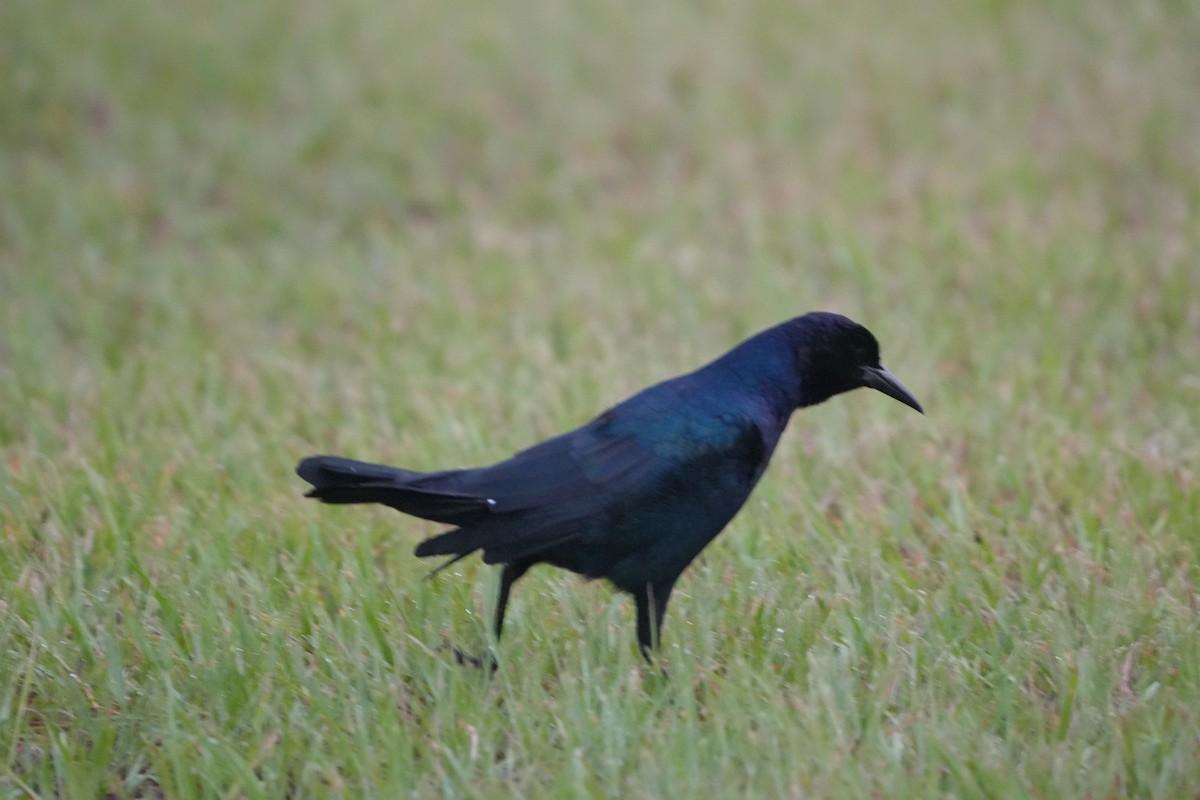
477	662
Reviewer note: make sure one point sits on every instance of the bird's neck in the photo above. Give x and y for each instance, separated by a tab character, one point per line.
761	368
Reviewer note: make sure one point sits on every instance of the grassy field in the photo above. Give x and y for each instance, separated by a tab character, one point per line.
431	233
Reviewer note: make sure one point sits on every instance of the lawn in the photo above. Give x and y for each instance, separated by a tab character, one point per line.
431	233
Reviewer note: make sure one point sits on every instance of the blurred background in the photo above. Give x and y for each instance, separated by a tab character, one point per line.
431	233
613	172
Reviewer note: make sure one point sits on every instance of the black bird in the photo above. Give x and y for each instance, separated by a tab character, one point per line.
634	495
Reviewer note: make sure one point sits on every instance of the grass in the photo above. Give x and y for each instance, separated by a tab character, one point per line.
433	233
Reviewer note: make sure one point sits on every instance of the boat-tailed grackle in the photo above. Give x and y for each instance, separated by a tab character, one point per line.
634	495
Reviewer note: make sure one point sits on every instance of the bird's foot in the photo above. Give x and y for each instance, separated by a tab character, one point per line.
465	659
654	662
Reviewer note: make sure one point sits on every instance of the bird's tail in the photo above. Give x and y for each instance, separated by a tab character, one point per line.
343	480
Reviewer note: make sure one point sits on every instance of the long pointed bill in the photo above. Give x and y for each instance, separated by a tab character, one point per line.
884	381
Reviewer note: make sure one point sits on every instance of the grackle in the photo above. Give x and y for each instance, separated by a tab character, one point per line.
634	495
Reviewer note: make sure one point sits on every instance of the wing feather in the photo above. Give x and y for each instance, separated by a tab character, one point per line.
555	491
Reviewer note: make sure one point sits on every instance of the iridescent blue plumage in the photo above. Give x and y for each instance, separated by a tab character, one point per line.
634	495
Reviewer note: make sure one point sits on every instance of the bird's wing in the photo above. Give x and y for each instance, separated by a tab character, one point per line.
550	493
626	449
572	469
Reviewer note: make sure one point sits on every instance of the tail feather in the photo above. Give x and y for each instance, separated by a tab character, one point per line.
327	471
458	542
502	538
343	480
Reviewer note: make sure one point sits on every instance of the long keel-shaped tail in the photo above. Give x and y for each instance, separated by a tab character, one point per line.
343	480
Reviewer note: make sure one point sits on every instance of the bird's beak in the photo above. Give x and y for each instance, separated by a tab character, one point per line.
879	378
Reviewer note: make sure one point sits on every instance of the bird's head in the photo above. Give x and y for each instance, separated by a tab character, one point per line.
835	354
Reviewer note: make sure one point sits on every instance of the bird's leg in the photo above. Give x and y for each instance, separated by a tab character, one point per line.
651	608
511	573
